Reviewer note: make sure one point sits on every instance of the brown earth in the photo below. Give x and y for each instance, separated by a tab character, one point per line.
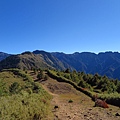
70	104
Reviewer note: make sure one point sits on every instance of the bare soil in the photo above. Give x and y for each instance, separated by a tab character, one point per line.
70	104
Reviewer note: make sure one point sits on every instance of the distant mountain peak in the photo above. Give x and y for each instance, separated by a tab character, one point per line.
39	51
27	52
3	55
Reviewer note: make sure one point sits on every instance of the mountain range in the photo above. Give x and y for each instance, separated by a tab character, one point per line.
3	55
106	63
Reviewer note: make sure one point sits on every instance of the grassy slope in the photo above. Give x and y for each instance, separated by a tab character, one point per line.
30	103
27	104
112	98
81	107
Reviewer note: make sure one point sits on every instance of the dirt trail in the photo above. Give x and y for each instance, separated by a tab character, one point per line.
70	104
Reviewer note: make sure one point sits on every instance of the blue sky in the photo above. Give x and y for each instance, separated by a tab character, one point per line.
59	25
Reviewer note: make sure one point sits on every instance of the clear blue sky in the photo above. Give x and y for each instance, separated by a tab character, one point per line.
59	25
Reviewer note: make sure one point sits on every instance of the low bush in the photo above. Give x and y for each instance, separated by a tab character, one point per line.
112	97
25	100
25	107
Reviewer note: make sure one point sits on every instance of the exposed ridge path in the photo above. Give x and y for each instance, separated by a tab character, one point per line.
70	104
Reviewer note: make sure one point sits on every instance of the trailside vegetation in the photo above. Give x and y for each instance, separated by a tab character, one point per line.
21	98
105	88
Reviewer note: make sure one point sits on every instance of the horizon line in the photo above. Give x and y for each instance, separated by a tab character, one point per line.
62	52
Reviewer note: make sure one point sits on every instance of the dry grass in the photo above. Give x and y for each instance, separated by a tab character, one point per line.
9	78
24	105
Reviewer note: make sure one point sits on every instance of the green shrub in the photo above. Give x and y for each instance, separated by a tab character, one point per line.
70	101
40	75
104	87
25	107
3	89
14	88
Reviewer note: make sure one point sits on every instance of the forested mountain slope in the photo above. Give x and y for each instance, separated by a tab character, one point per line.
107	63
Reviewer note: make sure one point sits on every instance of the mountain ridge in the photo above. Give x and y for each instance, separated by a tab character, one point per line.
3	55
29	60
103	63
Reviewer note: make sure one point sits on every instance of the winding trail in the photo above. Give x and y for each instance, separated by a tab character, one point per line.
81	107
70	104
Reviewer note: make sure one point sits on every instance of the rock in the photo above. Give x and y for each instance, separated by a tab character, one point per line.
69	117
56	106
90	109
85	115
117	114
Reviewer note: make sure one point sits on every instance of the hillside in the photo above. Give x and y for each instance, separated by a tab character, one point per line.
24	95
74	105
107	63
71	104
52	60
28	60
21	98
3	55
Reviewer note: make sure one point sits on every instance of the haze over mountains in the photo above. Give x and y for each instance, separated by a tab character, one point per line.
107	63
3	55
